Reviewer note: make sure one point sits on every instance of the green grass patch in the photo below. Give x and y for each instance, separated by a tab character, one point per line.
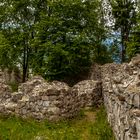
90	125
14	86
101	129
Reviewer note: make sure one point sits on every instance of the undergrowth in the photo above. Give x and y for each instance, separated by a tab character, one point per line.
80	128
14	86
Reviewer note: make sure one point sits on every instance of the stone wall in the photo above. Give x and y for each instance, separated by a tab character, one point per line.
53	101
121	90
119	85
95	72
10	76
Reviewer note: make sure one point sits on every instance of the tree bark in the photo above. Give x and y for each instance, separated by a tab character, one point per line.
25	63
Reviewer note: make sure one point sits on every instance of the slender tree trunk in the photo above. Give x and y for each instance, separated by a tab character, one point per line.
124	39
123	51
25	63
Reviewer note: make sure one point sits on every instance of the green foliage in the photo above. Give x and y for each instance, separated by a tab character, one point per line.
102	54
17	24
124	14
55	39
66	36
134	41
14	86
5	52
81	128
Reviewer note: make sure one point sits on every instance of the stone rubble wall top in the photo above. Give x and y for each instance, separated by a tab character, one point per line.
121	92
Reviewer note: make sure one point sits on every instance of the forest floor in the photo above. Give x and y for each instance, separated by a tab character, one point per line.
89	125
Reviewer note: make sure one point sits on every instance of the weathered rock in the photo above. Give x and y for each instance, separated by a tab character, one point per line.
121	91
4	89
10	76
120	88
53	101
89	92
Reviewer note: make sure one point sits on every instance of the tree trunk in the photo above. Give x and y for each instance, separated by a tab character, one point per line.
123	51
124	38
25	64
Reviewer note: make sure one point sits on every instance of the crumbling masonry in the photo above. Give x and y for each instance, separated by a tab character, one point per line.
118	86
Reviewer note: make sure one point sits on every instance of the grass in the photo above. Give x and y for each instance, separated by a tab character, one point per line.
90	125
14	86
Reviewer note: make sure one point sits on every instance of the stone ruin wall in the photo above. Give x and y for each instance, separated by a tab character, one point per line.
119	85
53	101
10	76
121	91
